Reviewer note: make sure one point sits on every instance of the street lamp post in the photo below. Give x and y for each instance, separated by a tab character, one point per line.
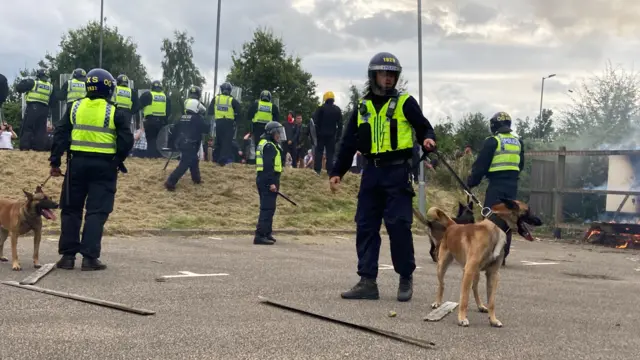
215	74
422	201
101	29
541	95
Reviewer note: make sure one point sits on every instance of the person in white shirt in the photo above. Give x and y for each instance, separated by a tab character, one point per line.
6	135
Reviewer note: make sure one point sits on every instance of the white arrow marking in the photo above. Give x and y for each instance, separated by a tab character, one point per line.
191	274
526	263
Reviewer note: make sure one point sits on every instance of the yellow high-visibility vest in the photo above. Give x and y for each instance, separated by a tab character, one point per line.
223	107
94	129
277	166
507	155
158	105
264	113
122	97
40	92
380	126
76	90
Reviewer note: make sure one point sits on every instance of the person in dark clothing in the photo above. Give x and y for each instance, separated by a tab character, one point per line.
381	129
225	110
97	139
287	146
501	159
188	137
74	88
297	143
268	170
4	89
328	121
156	109
39	100
260	113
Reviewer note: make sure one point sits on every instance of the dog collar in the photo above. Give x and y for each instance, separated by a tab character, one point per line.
499	223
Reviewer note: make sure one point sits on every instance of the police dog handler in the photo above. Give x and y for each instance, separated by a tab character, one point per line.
381	129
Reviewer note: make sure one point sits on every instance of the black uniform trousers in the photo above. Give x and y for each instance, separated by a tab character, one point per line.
268	199
297	153
223	143
33	130
327	142
188	161
385	193
152	126
501	188
92	179
257	129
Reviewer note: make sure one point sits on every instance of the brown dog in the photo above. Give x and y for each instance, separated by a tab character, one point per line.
477	247
19	217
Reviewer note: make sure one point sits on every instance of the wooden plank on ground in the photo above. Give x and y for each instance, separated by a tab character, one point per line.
389	334
443	310
38	274
81	298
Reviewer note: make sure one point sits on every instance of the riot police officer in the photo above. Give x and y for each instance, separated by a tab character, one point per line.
124	97
156	107
500	160
225	110
97	140
381	129
187	137
74	88
262	112
39	98
268	170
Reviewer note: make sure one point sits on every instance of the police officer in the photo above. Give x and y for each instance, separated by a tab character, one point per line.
262	112
156	107
268	168
225	110
124	97
381	129
328	121
39	99
74	88
97	140
187	137
4	90
500	160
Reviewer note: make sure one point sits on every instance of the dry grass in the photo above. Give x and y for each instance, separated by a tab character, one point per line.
226	200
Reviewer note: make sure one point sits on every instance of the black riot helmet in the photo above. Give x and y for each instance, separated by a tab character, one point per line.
265	95
225	89
386	62
42	74
156	85
79	74
123	80
499	120
195	92
272	128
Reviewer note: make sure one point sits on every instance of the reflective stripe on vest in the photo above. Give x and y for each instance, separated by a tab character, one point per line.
507	155
76	90
277	162
381	129
94	128
122	97
264	113
223	108
158	105
40	92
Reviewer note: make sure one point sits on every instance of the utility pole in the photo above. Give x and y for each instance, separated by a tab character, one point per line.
541	95
101	29
215	74
422	201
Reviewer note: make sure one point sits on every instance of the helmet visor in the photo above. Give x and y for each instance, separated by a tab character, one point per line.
280	131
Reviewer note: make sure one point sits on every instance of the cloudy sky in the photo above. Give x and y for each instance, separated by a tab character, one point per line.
477	55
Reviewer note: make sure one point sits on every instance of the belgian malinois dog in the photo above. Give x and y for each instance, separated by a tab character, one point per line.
19	217
465	216
478	247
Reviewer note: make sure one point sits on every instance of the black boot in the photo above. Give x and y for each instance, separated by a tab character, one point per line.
262	240
365	289
169	187
270	237
66	262
405	289
89	264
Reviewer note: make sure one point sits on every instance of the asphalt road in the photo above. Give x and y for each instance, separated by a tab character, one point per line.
583	306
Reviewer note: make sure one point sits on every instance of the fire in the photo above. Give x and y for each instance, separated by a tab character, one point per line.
623	246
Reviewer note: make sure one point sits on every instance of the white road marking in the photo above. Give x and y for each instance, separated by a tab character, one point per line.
527	263
390	267
191	274
342	237
214	238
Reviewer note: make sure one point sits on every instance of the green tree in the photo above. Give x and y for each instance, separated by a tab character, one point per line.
472	130
264	65
178	69
535	129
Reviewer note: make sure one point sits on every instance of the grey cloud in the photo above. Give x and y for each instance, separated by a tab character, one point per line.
475	13
392	27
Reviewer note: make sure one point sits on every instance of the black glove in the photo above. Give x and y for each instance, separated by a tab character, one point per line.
122	168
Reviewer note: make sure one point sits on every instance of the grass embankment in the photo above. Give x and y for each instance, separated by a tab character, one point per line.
227	200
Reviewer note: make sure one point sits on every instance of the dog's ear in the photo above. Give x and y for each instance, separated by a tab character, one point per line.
28	194
510	204
39	189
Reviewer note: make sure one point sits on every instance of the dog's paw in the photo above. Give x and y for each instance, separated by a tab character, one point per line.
463	322
16	267
483	309
496	323
435	305
3	259
37	266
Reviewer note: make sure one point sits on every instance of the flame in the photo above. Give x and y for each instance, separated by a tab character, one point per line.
623	246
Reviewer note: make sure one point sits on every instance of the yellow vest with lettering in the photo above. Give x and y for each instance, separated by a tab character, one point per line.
223	108
158	105
40	92
277	162
381	126
94	129
264	113
122	97
76	90
507	155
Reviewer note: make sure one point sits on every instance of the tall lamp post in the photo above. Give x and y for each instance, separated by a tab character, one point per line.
541	95
101	29
422	201
215	74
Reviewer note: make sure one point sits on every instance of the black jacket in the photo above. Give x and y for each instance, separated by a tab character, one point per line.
349	142
146	100
481	166
4	89
62	139
328	119
26	85
268	175
188	131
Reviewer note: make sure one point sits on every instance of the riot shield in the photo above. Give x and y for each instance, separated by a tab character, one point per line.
63	102
162	143
312	133
140	92
236	92
276	102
